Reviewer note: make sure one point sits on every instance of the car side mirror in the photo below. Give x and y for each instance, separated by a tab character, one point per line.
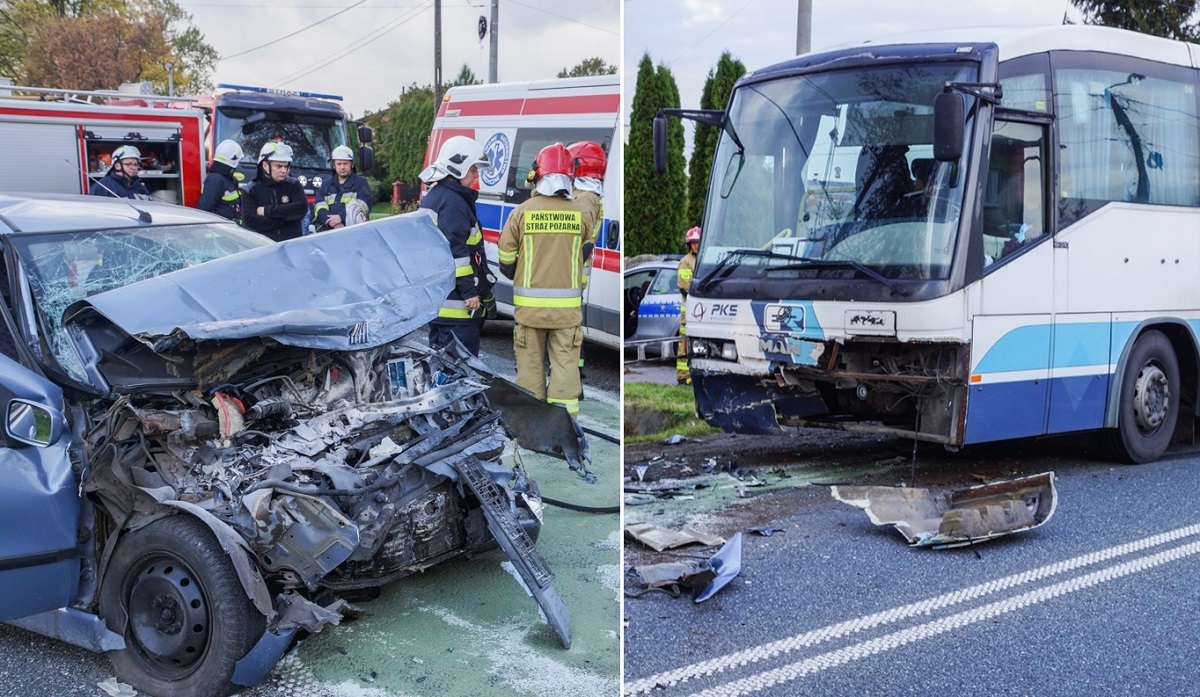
365	134
659	133
33	424
366	158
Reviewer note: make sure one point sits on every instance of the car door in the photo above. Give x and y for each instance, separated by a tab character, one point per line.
39	500
658	315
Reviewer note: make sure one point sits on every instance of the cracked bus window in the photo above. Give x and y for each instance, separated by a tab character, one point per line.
66	267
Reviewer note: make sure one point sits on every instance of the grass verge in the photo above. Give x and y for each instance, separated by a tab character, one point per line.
654	412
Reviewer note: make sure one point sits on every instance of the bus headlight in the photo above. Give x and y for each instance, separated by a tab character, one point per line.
714	348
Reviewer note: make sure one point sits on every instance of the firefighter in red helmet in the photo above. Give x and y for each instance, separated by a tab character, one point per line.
590	164
542	250
687	268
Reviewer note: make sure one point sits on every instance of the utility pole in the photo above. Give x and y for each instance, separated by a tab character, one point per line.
494	49
437	55
803	26
170	78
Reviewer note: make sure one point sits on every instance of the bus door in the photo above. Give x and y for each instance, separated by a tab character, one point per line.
1012	330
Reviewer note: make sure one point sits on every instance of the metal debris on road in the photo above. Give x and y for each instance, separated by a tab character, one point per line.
954	518
704	577
660	539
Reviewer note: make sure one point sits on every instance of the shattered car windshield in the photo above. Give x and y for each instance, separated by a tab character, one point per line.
835	167
66	267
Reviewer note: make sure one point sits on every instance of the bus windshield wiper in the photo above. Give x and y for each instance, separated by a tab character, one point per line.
724	268
811	262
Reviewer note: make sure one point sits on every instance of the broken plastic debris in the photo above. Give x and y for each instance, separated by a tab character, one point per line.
115	688
954	518
675	439
660	539
727	564
703	577
766	530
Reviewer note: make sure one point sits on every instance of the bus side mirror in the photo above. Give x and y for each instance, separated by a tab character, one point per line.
949	113
660	144
366	158
365	134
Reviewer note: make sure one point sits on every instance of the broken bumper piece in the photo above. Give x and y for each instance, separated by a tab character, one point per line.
946	519
703	577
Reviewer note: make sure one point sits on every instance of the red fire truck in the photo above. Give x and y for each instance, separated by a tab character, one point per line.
65	146
71	140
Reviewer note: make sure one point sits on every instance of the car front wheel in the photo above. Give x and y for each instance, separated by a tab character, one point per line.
172	592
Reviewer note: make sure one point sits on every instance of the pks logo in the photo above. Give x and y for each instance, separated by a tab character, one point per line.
497	150
784	318
698	312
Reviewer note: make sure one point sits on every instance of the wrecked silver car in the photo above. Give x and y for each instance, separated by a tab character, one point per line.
211	439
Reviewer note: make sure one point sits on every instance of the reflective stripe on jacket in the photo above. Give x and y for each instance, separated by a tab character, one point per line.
541	249
453	206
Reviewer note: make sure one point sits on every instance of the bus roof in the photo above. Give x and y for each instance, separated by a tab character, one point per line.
1013	42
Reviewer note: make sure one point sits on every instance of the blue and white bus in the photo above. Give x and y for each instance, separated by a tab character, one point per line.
965	237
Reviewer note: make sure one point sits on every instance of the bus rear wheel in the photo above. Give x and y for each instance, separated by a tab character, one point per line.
1149	401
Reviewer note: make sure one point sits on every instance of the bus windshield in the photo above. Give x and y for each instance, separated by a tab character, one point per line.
835	170
312	138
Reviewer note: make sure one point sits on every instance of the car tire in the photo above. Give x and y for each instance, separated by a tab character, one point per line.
171	591
1149	401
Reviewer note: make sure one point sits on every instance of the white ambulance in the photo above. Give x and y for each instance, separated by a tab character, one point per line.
515	120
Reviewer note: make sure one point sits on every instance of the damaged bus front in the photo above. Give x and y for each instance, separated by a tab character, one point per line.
933	239
253	431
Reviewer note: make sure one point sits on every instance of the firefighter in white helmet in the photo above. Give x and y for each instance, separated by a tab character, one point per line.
122	179
276	204
541	249
686	269
451	196
345	196
221	194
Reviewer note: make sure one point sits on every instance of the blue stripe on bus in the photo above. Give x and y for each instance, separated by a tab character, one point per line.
1023	348
999	411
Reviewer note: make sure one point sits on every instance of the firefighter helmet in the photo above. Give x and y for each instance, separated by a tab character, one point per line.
342	152
275	151
229	152
126	152
458	154
590	160
692	235
553	159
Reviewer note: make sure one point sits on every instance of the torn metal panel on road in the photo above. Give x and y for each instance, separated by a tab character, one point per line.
660	539
704	577
954	518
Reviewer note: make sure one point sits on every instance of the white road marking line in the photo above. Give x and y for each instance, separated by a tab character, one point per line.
887	642
834	631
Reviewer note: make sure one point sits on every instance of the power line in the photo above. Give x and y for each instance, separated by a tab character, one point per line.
354	46
319	21
725	21
569	19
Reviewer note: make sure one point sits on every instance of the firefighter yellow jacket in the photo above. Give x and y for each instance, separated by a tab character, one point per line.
541	250
590	200
687	267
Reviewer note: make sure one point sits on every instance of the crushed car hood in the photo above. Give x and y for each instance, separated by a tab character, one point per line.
359	287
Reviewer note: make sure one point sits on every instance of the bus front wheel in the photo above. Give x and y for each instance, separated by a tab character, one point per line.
1149	401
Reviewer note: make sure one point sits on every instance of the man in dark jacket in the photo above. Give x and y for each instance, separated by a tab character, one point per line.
221	194
452	200
122	179
346	188
276	204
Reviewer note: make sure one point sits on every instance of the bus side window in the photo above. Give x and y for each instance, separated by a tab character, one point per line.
1014	210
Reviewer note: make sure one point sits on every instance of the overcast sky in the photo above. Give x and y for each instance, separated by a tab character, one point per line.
371	51
689	35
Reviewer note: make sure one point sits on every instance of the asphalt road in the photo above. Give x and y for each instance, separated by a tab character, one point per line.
1098	601
462	628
